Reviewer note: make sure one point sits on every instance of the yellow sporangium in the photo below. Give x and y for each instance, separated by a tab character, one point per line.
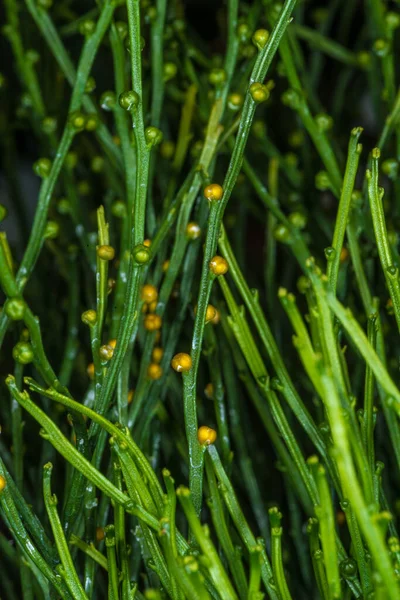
154	371
149	293
218	265
213	192
182	362
206	435
157	354
152	322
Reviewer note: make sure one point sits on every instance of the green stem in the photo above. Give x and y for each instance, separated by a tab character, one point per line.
112	563
390	271
276	551
68	572
324	512
238	518
217	571
344	207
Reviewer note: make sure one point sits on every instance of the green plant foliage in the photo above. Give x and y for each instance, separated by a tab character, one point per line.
199	324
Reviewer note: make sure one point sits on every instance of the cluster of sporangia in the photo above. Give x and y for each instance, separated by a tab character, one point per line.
181	362
23	352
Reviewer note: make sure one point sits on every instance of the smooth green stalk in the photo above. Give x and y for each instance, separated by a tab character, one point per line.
120	434
317	558
324	513
390	270
275	518
112	569
68	571
239	440
360	554
302	340
10	512
238	518
120	535
217	571
66	449
71	345
90	550
220	524
369	417
215	366
359	338
170	485
31	521
352	489
353	157
158	560
17	437
255	575
390	123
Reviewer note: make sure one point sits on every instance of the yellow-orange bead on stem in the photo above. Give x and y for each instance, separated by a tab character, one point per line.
154	371
213	192
165	265
210	313
206	435
147	243
182	362
106	352
216	318
218	265
105	252
340	517
209	391
130	396
152	322
112	343
149	293
100	534
152	306
90	370
344	255
157	354
3	483
111	283
193	230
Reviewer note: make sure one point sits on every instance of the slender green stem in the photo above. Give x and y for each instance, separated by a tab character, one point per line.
90	550
378	218
324	513
275	518
68	572
11	514
66	449
344	207
112	563
238	518
219	520
317	558
217	572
